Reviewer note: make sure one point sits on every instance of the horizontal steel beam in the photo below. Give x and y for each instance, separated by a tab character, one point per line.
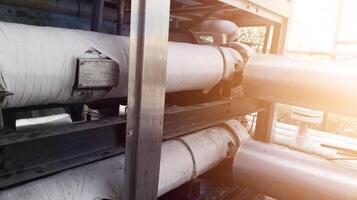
182	120
28	155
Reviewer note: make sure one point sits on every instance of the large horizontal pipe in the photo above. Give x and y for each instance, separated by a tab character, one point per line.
182	160
38	64
317	84
284	174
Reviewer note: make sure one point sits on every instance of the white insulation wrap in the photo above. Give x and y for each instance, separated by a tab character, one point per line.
176	166
181	161
210	146
43	122
38	64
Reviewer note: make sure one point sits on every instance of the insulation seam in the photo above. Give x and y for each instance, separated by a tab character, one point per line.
194	173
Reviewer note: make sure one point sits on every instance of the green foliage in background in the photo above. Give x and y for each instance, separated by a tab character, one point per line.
253	36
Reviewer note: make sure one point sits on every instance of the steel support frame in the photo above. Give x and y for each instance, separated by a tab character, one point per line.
149	29
22	155
265	119
121	15
97	15
26	155
277	12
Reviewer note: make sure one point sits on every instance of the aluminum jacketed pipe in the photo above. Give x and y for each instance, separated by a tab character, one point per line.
182	160
324	85
284	174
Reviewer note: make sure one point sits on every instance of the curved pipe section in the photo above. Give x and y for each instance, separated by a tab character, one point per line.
220	27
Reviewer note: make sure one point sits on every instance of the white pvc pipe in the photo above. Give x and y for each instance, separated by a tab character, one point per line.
38	64
181	161
321	137
287	135
304	145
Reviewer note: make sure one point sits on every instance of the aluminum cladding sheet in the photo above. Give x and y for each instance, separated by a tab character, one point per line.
317	84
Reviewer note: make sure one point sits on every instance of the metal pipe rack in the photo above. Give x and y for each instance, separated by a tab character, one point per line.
149	121
146	111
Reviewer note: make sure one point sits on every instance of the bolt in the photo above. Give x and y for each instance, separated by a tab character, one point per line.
130	133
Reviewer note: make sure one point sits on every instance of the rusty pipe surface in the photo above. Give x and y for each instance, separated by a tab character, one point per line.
324	85
285	174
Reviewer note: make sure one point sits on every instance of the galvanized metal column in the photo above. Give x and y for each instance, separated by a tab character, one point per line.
121	15
97	15
146	97
264	125
265	119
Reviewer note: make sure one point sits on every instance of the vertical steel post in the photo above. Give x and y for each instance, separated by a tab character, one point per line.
340	5
146	97
97	15
266	39
121	13
278	41
265	119
264	125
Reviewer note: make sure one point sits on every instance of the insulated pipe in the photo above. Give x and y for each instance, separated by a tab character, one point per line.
220	27
182	160
231	30
285	174
316	84
38	65
43	122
